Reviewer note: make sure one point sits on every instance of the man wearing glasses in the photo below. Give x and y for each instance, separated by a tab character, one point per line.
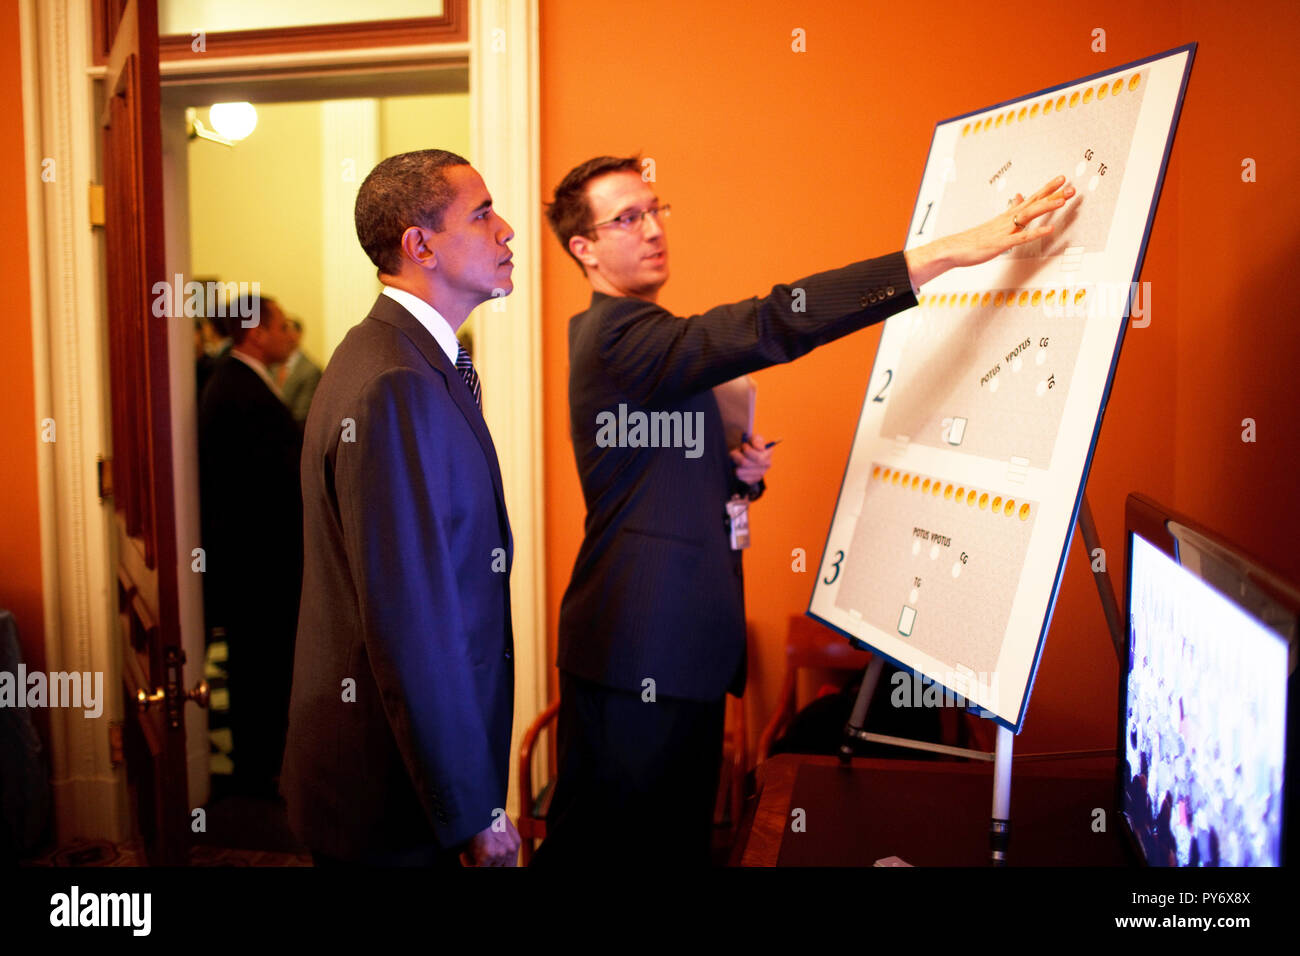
652	626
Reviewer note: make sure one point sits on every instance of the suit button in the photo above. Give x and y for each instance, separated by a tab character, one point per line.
863	302
509	655
889	290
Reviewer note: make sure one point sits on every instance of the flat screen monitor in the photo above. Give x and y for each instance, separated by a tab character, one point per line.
1204	698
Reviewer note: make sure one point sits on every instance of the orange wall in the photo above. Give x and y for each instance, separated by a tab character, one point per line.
20	533
780	164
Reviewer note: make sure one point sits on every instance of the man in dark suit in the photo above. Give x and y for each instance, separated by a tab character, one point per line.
251	513
652	626
399	732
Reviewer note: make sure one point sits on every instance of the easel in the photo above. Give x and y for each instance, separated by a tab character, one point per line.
1000	824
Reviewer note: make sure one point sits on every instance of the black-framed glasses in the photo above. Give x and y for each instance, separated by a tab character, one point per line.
631	220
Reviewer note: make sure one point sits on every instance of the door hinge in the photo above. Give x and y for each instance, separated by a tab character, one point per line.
96	204
104	468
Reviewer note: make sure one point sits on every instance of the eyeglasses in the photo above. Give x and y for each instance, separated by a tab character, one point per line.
631	220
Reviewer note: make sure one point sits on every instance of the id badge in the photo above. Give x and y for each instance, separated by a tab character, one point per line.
738	522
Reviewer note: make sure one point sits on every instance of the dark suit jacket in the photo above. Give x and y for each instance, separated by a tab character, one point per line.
250	505
406	595
656	590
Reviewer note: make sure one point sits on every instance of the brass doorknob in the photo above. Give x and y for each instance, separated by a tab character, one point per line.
201	695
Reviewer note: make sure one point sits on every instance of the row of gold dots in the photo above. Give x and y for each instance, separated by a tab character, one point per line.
1060	104
1009	297
995	504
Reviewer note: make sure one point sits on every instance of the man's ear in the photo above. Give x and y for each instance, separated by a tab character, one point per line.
415	246
580	246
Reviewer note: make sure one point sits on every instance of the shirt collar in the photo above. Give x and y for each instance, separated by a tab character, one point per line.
257	367
430	318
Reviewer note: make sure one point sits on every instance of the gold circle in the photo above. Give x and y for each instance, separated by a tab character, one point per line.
1078	297
961	493
1074	99
1021	114
971	496
875	472
1133	83
997	504
1102	91
965	129
964	297
925	486
916	480
943	299
998	122
1036	298
1060	103
897	475
1024	512
1087	96
1024	297
1047	107
1117	87
1051	294
1033	111
935	489
997	300
1009	507
888	472
947	491
984	501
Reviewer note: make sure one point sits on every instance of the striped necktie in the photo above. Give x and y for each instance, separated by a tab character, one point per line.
466	368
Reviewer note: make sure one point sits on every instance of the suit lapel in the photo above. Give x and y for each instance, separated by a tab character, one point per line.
392	313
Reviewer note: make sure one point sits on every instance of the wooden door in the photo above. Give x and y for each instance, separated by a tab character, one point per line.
144	509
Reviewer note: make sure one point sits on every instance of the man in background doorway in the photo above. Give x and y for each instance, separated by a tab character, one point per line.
251	511
297	377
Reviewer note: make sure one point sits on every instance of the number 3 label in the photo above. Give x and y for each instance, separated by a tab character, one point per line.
839	556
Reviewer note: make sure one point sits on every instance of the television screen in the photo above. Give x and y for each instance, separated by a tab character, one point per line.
1204	721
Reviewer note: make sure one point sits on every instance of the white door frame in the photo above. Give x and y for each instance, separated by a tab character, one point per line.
60	110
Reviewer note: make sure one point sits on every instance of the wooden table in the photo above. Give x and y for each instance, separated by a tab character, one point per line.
930	813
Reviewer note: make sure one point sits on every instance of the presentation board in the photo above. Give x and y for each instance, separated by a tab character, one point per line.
954	517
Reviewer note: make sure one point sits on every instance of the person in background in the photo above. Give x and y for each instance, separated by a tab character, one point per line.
251	512
297	377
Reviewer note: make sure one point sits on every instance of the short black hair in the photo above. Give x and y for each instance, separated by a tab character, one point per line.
569	213
409	189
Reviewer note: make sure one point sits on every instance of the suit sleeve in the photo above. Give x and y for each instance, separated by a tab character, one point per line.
657	357
411	589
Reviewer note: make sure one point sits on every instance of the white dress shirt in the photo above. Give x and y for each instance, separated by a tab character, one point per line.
430	318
